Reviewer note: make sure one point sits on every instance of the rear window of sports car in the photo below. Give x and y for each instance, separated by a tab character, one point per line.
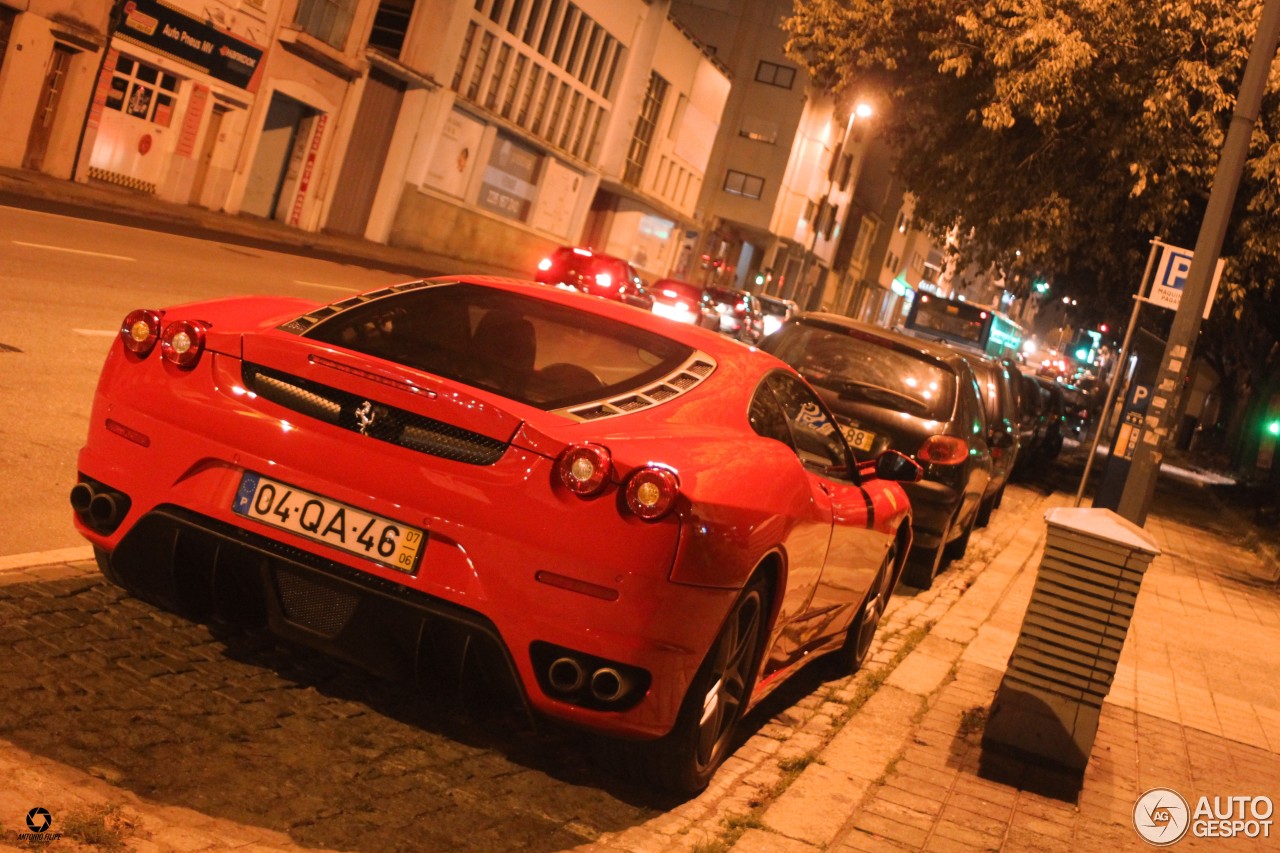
527	349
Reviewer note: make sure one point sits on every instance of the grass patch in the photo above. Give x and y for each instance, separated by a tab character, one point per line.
973	721
103	828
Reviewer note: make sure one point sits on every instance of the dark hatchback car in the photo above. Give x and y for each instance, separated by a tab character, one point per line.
1000	397
740	313
889	390
595	273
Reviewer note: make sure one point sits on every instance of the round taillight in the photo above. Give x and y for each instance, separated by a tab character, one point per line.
584	469
651	492
182	342
544	264
603	279
943	450
140	331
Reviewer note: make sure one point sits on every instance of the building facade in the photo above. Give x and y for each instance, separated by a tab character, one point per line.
483	129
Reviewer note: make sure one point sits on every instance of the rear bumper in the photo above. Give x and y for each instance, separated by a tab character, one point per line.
933	505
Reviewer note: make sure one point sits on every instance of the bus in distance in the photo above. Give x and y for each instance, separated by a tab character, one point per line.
967	324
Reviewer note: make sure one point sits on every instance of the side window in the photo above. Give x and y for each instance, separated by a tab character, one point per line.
814	432
974	409
766	416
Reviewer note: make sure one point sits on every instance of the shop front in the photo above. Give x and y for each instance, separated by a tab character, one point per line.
168	112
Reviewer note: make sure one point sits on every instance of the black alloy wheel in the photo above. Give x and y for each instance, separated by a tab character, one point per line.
684	761
857	642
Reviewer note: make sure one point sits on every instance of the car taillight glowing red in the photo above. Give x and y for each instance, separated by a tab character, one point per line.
740	307
603	279
584	469
651	492
943	450
140	331
182	342
544	264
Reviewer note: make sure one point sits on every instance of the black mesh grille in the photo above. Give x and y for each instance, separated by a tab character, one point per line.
373	419
323	609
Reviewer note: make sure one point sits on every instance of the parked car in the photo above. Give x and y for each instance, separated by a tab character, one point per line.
739	312
893	391
999	397
1082	404
1033	419
776	311
1055	417
495	479
595	273
684	302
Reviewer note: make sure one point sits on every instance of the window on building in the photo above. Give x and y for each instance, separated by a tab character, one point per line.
142	91
740	183
495	79
390	23
467	43
783	76
327	20
559	91
638	153
846	171
759	130
6	28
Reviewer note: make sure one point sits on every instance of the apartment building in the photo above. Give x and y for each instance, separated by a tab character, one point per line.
783	169
559	122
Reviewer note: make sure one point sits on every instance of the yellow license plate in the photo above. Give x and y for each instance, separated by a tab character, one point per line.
859	439
395	545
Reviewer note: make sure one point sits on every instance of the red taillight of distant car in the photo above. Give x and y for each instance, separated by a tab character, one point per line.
740	308
140	331
182	342
544	264
584	469
943	450
603	279
651	492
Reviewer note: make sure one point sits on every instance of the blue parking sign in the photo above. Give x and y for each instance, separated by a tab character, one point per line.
1171	278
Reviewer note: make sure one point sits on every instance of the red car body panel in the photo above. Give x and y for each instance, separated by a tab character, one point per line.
493	530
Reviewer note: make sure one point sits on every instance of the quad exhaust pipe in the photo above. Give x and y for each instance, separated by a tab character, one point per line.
98	506
566	676
609	685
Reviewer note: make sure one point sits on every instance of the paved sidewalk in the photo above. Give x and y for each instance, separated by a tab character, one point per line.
1195	707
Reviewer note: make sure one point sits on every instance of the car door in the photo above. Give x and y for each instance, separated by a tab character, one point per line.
810	527
855	550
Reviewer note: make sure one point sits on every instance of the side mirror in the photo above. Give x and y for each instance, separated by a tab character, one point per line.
897	466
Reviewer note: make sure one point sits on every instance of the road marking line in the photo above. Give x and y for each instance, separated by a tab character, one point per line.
73	251
17	562
348	288
96	333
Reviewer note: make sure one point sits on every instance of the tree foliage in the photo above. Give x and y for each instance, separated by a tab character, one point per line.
1071	132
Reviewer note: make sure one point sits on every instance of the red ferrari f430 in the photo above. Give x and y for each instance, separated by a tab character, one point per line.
644	526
